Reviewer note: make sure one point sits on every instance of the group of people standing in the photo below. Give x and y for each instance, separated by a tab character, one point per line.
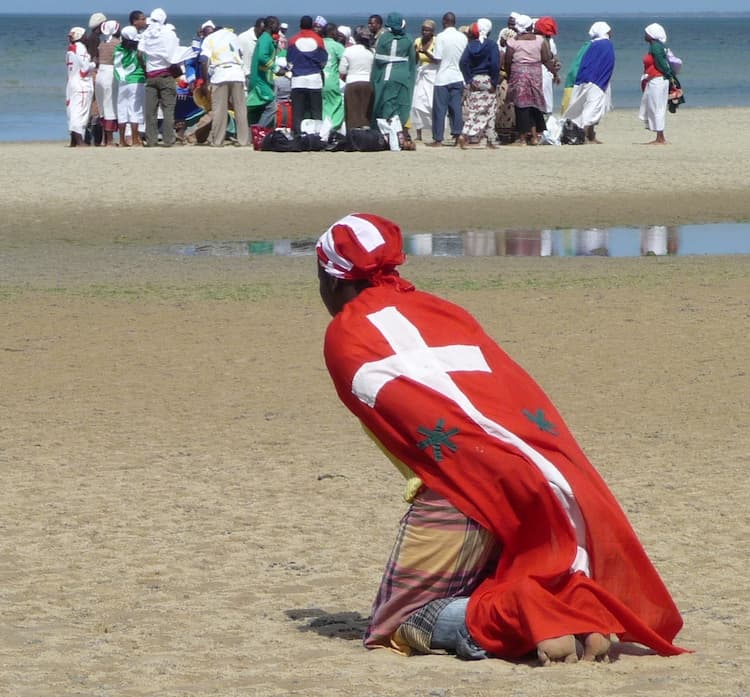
139	78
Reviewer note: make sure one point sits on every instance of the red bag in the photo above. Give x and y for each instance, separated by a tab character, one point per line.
258	134
284	115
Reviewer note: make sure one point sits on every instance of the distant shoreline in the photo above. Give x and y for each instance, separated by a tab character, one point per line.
244	194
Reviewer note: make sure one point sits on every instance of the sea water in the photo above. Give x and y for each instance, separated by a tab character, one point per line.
713	49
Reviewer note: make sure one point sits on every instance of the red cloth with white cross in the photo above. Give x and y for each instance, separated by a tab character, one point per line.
446	400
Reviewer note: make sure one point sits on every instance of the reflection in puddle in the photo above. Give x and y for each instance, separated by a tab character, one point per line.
654	240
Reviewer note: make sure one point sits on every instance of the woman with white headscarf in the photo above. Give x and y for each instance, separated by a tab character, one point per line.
591	96
105	84
79	92
524	57
480	66
655	83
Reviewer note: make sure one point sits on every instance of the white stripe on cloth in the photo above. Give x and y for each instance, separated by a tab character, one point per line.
430	366
367	234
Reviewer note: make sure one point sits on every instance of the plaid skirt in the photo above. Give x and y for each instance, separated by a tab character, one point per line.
439	554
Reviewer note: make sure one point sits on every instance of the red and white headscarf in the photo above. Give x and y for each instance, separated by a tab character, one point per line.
363	246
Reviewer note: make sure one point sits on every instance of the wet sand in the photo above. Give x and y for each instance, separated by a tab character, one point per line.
187	509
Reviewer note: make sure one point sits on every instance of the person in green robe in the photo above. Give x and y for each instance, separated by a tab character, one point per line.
333	98
261	97
393	73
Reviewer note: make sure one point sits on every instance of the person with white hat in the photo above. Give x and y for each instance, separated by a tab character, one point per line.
105	85
158	50
79	91
655	83
591	97
131	87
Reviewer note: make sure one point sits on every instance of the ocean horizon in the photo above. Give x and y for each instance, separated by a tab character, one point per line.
34	44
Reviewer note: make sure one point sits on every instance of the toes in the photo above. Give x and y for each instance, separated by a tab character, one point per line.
558	650
596	648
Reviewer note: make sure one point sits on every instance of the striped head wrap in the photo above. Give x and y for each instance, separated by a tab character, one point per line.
363	246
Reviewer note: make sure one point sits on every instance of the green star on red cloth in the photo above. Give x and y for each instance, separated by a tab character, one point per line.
437	438
540	420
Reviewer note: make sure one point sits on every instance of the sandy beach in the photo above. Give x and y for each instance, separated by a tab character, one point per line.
186	508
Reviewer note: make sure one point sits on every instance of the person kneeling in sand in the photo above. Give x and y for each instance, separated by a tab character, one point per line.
512	543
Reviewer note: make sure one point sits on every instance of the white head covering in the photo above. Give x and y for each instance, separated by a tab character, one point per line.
346	31
485	27
208	23
656	31
599	30
109	29
515	15
158	15
130	33
506	33
96	19
76	33
523	23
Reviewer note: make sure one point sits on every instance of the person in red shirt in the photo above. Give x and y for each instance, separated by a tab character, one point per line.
513	544
656	81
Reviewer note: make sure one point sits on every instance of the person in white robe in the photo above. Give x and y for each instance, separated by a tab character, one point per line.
79	91
424	82
105	84
655	82
591	97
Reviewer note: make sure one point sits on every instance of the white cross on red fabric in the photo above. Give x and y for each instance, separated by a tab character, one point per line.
431	367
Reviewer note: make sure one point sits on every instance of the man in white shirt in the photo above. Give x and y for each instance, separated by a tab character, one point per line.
221	64
247	41
449	80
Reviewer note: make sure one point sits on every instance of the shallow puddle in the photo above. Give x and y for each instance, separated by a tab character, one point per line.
654	240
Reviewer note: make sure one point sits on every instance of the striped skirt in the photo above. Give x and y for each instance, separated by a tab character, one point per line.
439	554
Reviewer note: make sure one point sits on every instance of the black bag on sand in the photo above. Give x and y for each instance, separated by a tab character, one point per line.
337	142
311	142
366	140
276	141
572	134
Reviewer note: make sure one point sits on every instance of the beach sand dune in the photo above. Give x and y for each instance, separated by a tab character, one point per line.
185	507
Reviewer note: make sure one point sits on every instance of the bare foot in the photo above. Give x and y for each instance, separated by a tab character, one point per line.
656	142
561	649
594	141
461	142
596	647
